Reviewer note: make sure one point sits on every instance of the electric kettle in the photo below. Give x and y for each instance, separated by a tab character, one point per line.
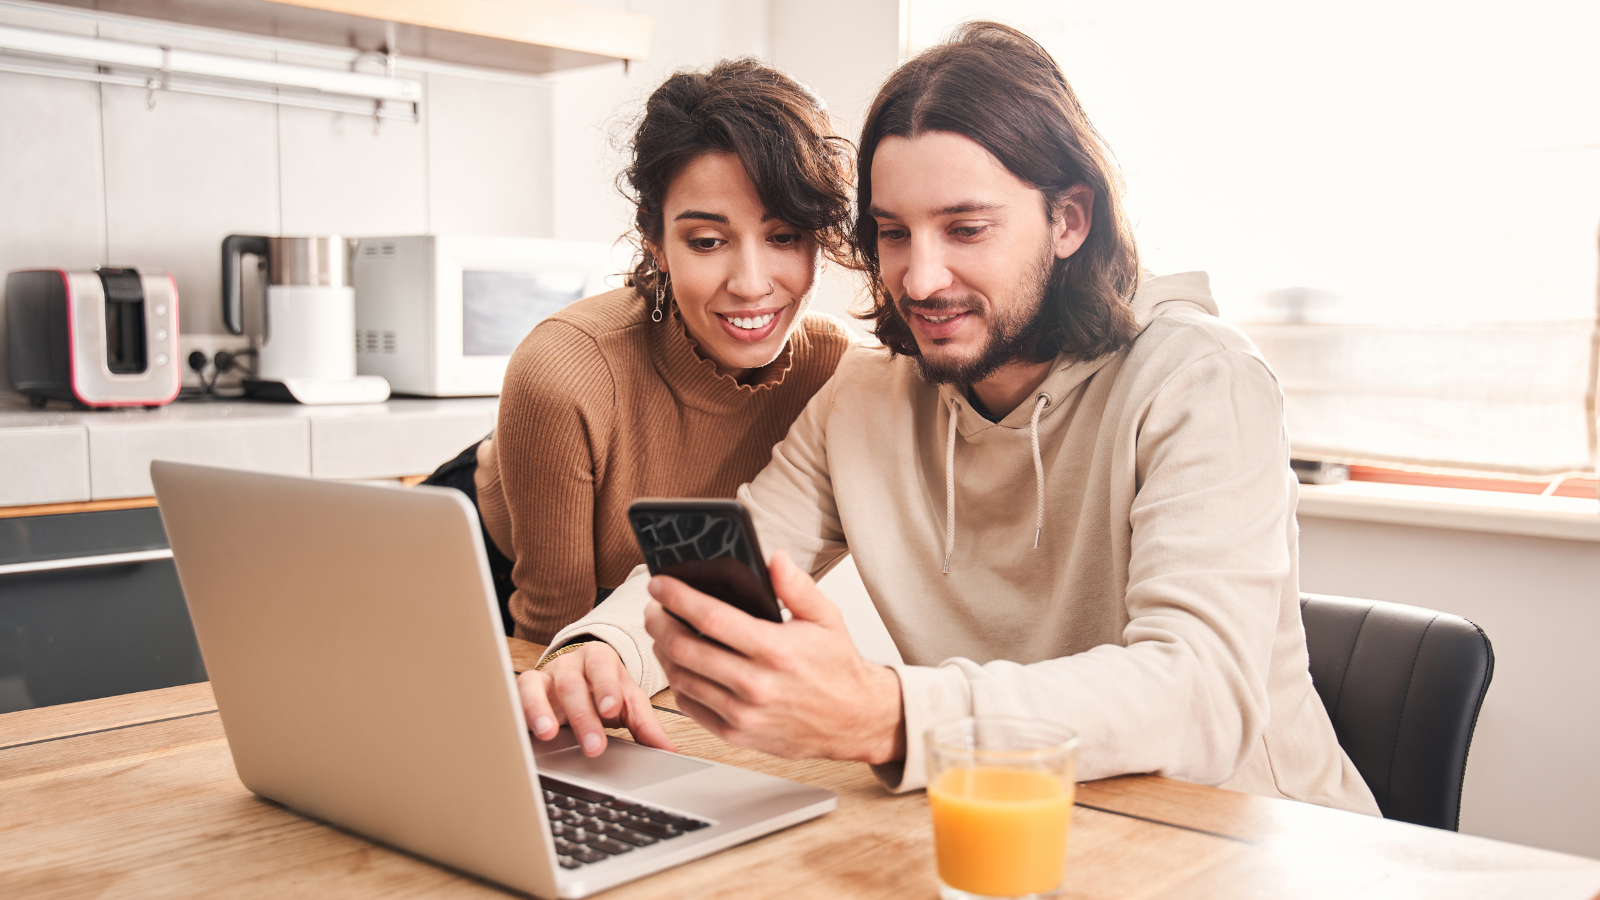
307	352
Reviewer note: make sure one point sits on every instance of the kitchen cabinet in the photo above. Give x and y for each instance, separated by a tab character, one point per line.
90	606
534	36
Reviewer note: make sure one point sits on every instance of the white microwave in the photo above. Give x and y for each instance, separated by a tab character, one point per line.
439	315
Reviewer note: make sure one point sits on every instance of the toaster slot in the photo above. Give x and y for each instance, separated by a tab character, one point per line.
125	334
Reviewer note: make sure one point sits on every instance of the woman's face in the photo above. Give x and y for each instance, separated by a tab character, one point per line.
741	278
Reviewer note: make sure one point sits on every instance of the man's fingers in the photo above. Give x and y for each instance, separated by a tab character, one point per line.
534	687
705	692
572	692
709	720
801	594
710	616
681	649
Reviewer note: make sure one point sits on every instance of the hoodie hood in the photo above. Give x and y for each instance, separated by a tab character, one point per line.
1167	294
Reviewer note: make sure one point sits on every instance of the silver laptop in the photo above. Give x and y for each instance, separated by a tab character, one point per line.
355	647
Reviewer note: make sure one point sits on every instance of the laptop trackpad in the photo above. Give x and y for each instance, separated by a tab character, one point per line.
624	765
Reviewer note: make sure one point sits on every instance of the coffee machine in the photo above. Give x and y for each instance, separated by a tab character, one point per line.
307	352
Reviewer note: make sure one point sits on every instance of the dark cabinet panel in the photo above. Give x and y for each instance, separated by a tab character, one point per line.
86	630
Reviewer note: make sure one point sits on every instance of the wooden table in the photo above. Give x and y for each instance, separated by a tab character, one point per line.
136	796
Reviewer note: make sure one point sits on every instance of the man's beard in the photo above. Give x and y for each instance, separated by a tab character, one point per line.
1010	334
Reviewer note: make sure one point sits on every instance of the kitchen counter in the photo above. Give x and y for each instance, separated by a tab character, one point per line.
59	455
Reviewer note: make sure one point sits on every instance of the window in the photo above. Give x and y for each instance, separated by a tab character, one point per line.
1399	201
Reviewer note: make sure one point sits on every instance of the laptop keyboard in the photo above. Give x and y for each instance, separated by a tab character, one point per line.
589	826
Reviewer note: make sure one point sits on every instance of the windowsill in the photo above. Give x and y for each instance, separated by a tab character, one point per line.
1567	518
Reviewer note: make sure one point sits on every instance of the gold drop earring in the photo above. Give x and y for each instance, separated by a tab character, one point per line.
661	293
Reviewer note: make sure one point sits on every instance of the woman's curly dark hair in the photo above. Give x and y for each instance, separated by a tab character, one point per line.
780	132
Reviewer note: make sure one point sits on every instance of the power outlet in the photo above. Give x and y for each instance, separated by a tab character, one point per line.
209	344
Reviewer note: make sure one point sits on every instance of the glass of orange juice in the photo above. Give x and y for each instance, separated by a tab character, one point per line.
1001	790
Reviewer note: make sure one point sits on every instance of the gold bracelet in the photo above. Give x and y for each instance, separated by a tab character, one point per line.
567	649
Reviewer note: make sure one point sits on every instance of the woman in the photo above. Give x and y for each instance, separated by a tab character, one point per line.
679	384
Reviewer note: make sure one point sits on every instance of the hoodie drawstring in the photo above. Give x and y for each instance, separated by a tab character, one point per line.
950	487
1039	404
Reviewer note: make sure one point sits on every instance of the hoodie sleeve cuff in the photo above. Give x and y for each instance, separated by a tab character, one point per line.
619	622
928	697
618	640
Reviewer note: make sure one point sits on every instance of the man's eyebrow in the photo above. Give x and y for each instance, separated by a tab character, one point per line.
969	207
956	209
718	218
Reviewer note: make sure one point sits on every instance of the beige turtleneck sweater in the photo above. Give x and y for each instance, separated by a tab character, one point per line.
600	407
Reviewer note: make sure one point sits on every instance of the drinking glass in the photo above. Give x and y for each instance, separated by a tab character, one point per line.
1001	791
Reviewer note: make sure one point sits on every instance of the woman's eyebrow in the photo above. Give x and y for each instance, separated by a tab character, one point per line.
718	218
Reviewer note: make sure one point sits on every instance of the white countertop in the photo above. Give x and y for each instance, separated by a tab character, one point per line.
57	454
16	413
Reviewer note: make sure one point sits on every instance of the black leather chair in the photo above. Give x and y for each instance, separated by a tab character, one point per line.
1403	686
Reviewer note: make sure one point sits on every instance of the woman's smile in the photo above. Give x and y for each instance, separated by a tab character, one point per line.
751	325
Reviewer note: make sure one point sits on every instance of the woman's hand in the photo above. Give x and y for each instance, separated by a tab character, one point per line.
590	690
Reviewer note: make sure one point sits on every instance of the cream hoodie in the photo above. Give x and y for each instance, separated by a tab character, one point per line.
1159	613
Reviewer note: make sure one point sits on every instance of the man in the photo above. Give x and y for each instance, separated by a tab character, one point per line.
1065	503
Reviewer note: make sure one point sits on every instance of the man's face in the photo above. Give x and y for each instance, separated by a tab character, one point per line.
966	249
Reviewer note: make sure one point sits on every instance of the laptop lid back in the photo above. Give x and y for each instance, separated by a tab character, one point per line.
355	648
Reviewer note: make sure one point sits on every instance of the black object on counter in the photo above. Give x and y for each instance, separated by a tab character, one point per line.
1316	471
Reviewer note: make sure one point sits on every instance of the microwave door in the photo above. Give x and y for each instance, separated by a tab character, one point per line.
498	309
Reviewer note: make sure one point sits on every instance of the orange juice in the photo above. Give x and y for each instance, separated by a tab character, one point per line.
1001	832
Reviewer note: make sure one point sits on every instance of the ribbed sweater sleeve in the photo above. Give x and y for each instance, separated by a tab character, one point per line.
557	409
492	499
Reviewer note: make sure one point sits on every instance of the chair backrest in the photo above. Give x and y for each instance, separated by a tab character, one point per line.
1403	686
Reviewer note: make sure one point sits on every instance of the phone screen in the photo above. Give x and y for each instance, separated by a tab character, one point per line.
708	545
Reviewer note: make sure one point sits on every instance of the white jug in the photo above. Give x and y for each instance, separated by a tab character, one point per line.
307	352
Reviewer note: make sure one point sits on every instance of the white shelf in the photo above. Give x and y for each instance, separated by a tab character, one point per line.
531	36
1568	518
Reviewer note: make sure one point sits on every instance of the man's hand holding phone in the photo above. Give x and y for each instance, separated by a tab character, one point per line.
589	689
796	689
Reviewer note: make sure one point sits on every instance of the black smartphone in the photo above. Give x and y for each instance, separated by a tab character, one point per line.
710	545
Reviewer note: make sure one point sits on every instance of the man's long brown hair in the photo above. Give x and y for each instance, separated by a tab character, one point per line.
998	87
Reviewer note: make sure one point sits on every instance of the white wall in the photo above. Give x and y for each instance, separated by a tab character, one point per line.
593	109
843	50
89	174
1532	776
